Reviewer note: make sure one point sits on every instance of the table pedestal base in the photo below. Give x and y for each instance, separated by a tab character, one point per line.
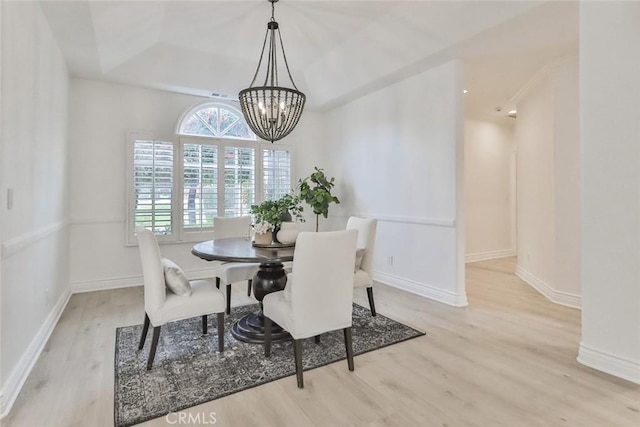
270	278
250	328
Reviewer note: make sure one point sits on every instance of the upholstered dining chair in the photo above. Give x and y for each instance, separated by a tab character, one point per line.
232	272
318	297
363	277
162	306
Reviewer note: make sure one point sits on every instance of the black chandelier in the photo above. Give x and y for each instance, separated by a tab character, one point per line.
272	111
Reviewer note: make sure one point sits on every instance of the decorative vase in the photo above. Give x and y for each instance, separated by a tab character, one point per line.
263	238
288	233
286	216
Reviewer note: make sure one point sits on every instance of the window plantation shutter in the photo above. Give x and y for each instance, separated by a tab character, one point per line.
200	185
153	185
276	167
239	180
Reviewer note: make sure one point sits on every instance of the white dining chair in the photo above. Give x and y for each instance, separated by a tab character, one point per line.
363	277
318	296
162	306
232	272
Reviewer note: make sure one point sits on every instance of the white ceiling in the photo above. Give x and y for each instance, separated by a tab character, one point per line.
337	50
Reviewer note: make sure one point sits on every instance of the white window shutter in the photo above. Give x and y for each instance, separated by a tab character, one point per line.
276	172
153	177
239	180
199	185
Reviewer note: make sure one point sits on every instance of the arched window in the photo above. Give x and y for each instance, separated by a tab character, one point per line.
214	166
215	121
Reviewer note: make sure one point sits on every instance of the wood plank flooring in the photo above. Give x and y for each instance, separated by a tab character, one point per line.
508	359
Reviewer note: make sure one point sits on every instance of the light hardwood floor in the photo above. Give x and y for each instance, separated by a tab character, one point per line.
508	359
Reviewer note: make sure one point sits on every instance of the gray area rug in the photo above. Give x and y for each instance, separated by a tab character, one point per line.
188	370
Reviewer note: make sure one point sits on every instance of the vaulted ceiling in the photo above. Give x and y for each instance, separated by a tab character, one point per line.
337	50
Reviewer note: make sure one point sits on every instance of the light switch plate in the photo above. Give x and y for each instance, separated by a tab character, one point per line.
9	198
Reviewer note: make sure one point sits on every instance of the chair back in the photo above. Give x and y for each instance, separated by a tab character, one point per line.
154	287
228	227
322	290
366	239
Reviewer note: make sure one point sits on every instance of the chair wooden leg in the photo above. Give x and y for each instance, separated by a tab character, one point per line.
154	346
229	298
218	282
349	345
371	303
316	339
267	336
249	288
145	329
220	332
204	325
297	354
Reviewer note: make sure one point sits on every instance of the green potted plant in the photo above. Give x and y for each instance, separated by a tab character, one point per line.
287	232
267	211
315	190
268	216
263	233
291	207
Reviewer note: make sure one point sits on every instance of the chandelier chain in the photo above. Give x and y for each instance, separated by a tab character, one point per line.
273	61
286	64
264	43
272	50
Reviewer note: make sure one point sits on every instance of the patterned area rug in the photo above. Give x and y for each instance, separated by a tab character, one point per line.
188	370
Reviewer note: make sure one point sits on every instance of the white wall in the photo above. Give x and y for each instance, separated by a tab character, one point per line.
34	164
566	131
2	190
610	143
548	192
489	170
535	181
101	116
311	149
395	154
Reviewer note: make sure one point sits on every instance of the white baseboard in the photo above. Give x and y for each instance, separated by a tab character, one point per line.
483	256
445	297
19	375
130	281
12	386
558	297
106	284
610	364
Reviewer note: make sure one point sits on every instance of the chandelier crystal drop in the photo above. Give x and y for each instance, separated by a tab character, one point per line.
272	111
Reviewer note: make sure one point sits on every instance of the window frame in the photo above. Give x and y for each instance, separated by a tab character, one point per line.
181	234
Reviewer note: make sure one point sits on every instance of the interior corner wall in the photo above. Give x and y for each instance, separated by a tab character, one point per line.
610	162
489	153
310	150
396	154
548	190
101	115
535	182
566	134
34	166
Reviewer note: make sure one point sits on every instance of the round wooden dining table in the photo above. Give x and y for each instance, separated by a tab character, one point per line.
271	277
